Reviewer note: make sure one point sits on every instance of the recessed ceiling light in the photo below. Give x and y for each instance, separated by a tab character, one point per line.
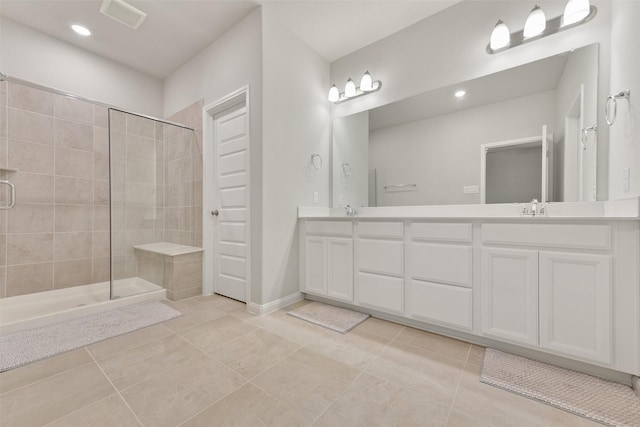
460	94
83	31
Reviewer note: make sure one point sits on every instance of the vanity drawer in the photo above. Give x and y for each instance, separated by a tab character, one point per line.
381	229
451	264
440	303
381	292
579	236
334	228
381	256
441	231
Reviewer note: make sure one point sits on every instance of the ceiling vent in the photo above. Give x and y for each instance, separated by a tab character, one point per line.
123	13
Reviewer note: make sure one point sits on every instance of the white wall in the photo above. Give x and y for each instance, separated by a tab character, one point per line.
625	74
232	61
36	57
296	124
449	47
441	157
351	146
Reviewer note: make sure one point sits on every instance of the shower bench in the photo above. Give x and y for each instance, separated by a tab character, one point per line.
177	268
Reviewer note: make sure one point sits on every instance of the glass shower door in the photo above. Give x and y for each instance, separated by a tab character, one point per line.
151	199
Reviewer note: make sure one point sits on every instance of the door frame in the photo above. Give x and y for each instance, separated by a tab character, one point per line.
210	186
544	139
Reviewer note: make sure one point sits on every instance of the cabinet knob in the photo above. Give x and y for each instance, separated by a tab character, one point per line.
215	212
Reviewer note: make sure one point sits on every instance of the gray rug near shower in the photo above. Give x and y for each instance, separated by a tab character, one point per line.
21	348
335	318
591	397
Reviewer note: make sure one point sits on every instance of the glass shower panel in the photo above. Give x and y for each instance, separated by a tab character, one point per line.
152	198
54	234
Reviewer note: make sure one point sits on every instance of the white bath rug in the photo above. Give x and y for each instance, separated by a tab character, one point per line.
31	345
603	401
335	318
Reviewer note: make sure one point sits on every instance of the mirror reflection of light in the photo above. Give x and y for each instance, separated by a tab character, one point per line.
460	94
83	31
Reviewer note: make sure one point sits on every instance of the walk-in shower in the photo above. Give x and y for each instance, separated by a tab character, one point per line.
81	185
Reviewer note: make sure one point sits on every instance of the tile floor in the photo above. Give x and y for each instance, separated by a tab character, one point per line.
219	366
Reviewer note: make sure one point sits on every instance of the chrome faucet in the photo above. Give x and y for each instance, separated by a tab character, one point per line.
533	208
350	210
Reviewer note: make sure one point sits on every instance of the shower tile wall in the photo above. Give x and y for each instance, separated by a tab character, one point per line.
183	192
57	235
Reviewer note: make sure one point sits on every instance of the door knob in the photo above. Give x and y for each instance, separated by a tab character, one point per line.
215	212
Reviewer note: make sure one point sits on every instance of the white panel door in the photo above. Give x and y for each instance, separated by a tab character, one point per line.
575	304
509	288
340	268
232	178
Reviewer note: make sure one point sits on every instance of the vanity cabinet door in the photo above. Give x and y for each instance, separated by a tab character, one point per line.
315	265
575	305
509	288
340	268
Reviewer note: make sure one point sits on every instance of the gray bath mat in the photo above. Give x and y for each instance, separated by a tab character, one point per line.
335	318
594	398
28	346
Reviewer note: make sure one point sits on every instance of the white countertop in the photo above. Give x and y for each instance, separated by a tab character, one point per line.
627	209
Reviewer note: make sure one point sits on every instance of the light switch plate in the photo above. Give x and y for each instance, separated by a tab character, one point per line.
471	189
316	197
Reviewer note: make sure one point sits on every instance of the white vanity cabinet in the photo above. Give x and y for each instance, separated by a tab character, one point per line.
569	288
328	259
380	266
440	272
557	299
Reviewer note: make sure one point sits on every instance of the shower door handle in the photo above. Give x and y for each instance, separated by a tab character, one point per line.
12	195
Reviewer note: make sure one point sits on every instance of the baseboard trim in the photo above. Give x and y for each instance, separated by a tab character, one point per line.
270	307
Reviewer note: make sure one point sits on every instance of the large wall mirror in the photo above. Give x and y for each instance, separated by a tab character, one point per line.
516	135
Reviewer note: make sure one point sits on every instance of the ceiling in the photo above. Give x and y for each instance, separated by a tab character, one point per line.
176	30
528	79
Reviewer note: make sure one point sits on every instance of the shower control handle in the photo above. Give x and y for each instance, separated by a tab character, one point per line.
12	195
215	212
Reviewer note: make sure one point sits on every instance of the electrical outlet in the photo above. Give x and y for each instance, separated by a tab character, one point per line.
471	189
316	198
341	200
626	180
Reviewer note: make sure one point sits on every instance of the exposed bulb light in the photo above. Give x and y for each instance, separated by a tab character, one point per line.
366	83
500	36
536	22
460	94
334	94
83	31
350	89
576	10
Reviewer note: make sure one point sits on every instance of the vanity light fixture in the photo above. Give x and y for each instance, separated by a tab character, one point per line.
536	22
576	12
83	31
351	91
500	36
